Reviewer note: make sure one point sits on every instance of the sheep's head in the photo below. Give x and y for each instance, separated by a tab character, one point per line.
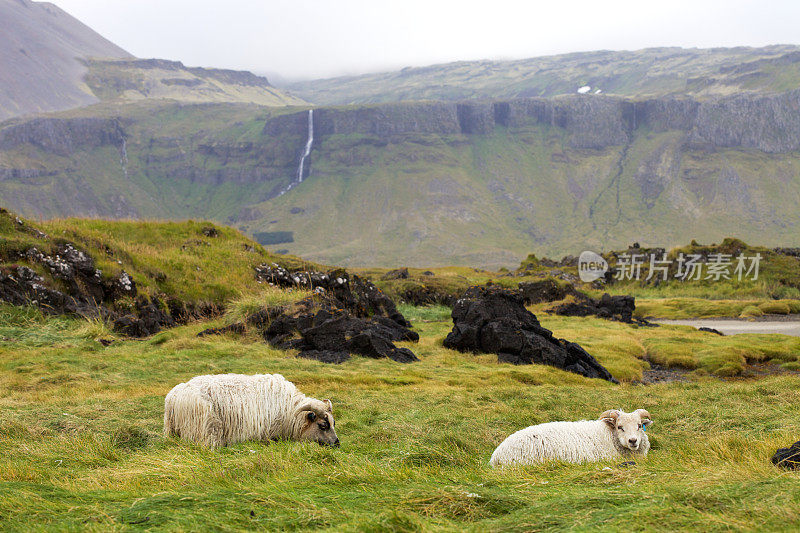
628	428
318	423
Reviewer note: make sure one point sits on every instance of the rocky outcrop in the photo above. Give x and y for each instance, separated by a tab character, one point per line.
63	136
618	308
347	315
68	283
397	273
546	290
767	123
791	252
83	287
358	295
324	331
19	285
149	318
494	320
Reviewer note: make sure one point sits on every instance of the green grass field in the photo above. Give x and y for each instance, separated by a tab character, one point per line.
80	434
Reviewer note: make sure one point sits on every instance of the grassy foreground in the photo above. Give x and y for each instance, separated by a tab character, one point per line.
81	446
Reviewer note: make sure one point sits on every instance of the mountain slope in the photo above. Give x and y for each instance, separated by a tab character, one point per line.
137	79
40	47
650	72
51	61
480	183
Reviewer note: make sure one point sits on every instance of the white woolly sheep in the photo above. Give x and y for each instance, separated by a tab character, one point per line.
228	408
615	434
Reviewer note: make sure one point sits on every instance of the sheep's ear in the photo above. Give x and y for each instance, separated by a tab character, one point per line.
610	417
328	403
311	416
645	416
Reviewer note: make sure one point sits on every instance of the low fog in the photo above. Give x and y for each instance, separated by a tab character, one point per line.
315	38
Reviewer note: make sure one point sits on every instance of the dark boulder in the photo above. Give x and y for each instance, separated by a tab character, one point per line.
546	290
347	315
323	330
710	330
788	458
399	273
494	320
619	308
418	294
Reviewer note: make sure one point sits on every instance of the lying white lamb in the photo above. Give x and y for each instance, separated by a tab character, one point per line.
614	435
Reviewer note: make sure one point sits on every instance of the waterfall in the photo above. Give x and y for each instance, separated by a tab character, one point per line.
123	160
309	142
306	152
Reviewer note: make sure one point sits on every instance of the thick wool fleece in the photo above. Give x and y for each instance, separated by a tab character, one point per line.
228	408
570	442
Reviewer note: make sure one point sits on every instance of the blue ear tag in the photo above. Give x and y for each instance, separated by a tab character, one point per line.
644	428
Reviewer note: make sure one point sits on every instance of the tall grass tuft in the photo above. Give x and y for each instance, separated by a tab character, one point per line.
269	296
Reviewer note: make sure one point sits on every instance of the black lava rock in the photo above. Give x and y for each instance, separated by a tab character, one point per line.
323	330
788	458
399	273
348	315
325	356
358	295
615	307
236	327
494	320
619	308
151	319
546	290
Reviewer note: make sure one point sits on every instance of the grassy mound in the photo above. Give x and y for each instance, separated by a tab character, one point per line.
194	261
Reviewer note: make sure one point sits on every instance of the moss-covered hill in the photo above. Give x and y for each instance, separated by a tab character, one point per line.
198	263
648	72
158	79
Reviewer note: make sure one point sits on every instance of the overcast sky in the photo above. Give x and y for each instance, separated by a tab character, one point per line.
323	38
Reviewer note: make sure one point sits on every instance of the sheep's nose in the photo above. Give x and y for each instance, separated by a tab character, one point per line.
633	441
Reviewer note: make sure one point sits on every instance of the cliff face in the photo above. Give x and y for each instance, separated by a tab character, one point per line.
448	182
767	123
63	137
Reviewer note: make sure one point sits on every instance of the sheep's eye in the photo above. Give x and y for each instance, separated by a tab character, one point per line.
619	427
640	426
